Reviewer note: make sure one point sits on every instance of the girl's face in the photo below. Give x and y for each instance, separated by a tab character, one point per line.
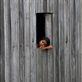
42	43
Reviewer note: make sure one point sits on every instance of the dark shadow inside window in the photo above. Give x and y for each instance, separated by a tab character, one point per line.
40	27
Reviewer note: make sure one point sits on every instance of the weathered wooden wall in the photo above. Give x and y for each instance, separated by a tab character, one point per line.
21	60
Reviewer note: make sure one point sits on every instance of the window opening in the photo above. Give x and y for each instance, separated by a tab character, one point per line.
43	30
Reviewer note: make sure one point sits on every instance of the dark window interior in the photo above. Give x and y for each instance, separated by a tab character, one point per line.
40	26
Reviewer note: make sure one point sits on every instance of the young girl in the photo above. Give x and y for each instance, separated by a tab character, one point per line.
45	43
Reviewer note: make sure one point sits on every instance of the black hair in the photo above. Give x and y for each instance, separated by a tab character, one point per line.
47	40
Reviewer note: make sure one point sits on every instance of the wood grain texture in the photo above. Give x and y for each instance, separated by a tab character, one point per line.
48	28
48	5
39	66
7	39
21	42
81	36
41	2
45	5
72	42
32	41
66	39
61	40
2	51
51	6
78	42
38	6
45	66
55	38
26	39
24	62
14	41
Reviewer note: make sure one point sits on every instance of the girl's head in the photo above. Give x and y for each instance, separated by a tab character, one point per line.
44	42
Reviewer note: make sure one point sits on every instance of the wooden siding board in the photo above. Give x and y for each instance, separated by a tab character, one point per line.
2	43
45	66
66	39
7	41
72	42
26	39
50	66
41	2
48	28
51	6
38	6
21	43
33	40
61	40
39	66
45	5
77	34
81	35
55	40
48	5
14	41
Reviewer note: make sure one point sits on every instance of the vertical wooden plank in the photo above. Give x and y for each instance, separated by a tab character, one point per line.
66	39
45	5
45	66
0	42
39	66
33	40
48	29
51	6
48	5
7	40
14	41
50	66
61	40
2	61
81	36
41	2
26	39
21	42
78	43
55	41
72	42
38	6
48	26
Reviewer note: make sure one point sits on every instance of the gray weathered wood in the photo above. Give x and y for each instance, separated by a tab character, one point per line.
7	41
33	41
2	56
48	5
81	36
21	42
24	62
50	66
66	39
72	42
78	43
45	5
55	37
61	40
39	66
14	41
48	28
45	66
26	39
38	6
41	2
51	6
